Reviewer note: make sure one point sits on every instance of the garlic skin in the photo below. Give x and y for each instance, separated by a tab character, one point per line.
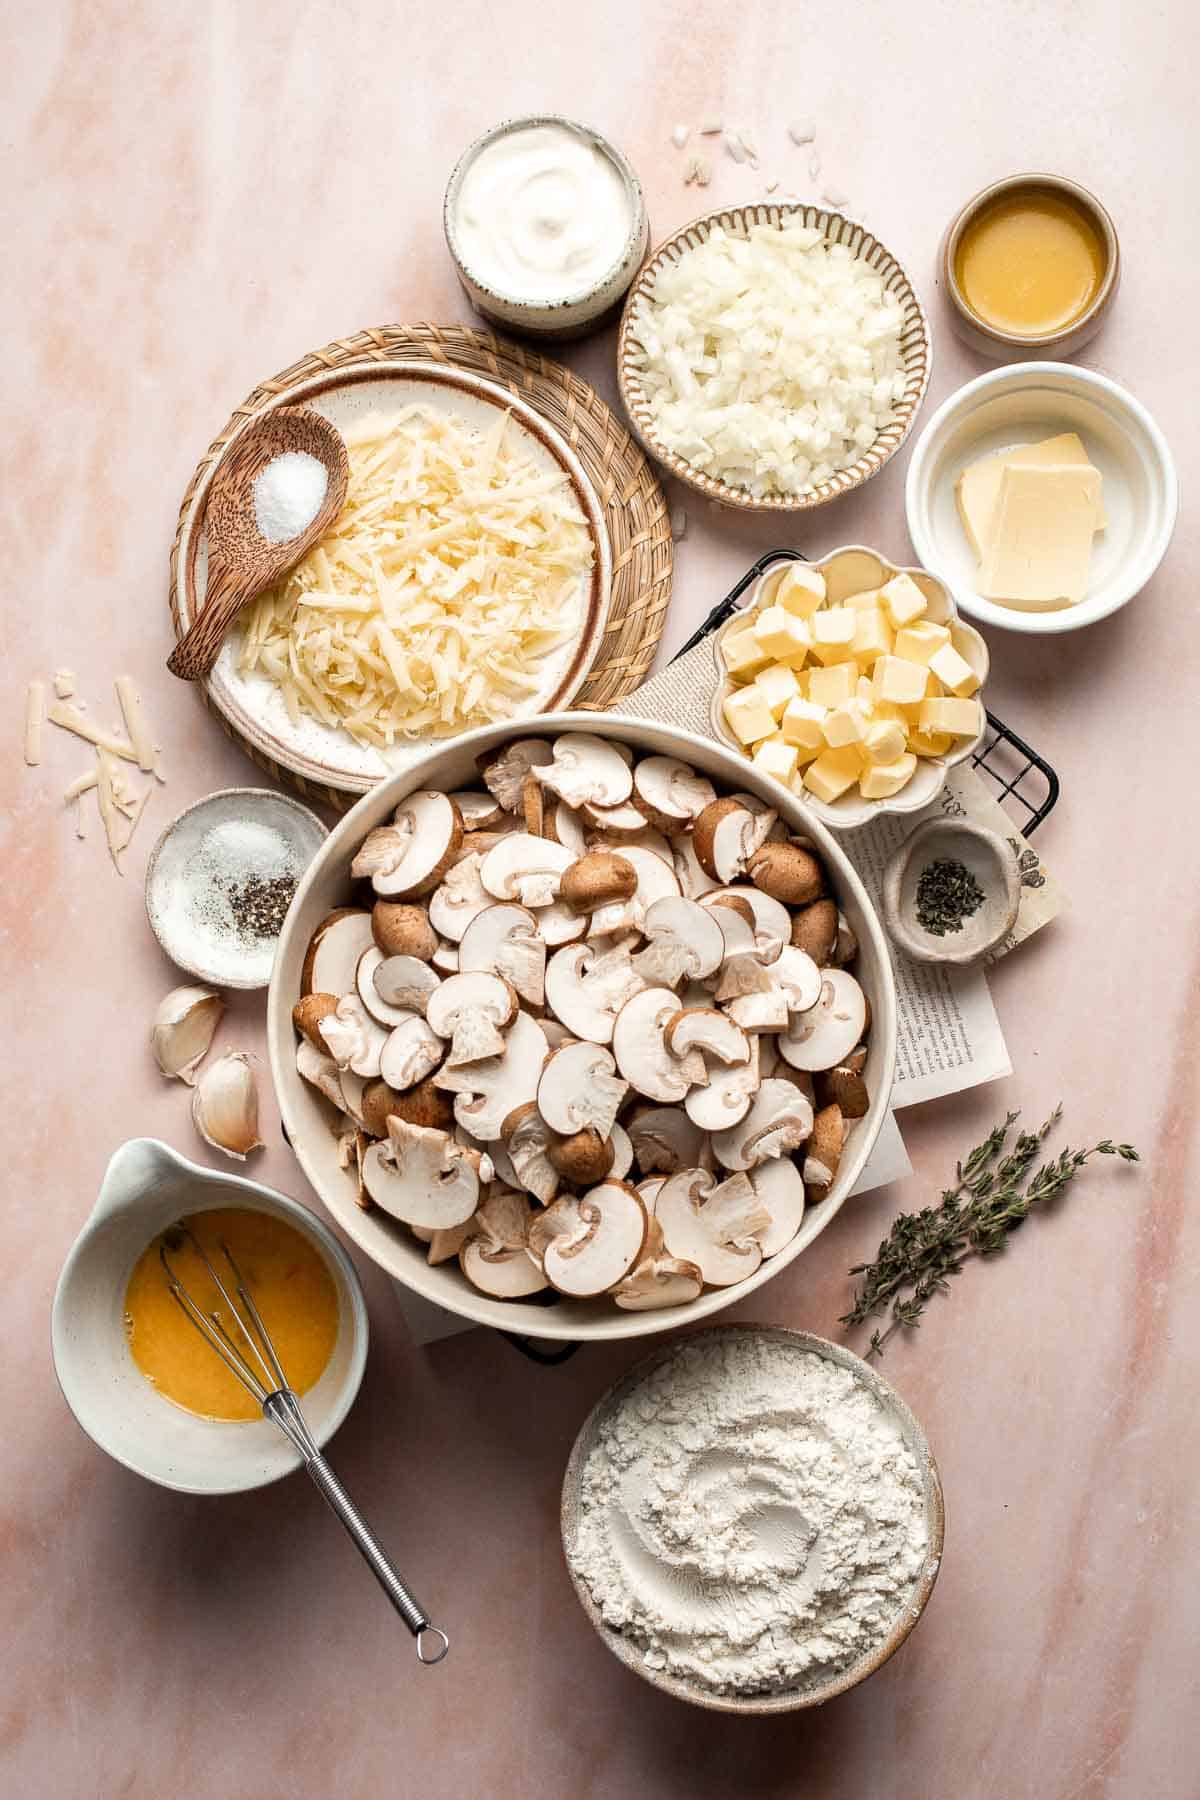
184	1027
225	1106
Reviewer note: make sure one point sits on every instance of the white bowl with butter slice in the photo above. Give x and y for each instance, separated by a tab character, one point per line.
1044	495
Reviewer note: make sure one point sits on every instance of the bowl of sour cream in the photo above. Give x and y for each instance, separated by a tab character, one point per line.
546	224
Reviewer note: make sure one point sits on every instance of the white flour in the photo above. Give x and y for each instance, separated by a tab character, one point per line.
750	1516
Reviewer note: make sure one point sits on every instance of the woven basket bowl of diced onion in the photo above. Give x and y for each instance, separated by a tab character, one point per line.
853	683
773	357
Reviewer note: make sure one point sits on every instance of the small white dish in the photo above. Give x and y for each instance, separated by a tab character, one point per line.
985	855
225	838
852	570
1022	404
146	1188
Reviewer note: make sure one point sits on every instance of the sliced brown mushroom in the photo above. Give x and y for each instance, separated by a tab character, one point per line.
645	839
656	881
827	1033
402	928
478	811
657	1280
504	940
795	972
331	959
583	1158
764	1010
815	931
587	769
664	1139
505	772
472	1010
562	823
525	868
669	792
527	1139
726	835
704	1028
319	1070
586	990
412	1051
622	820
421	1176
534	806
445	959
392	987
308	1015
458	898
846	948
779	1187
587	1243
712	1225
650	1189
683	940
825	1146
353	1088
778	1122
728	1094
622	1151
598	878
495	1258
444	1246
770	919
580	1088
640	1049
353	1038
694	881
845	1086
408	857
787	872
421	1104
486	1092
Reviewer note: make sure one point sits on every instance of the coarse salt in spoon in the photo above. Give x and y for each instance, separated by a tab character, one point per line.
267	508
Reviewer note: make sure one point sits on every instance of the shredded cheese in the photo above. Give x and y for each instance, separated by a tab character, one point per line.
35	707
454	569
135	722
64	684
71	719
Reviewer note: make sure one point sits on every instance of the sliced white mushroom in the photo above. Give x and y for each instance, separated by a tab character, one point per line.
353	1038
319	1070
645	839
727	834
473	1011
495	1258
772	920
525	868
664	1138
559	924
421	1176
353	1087
712	1225
798	976
587	770
565	825
445	959
825	1148
704	1028
585	991
527	1138
779	1121
764	1010
580	1088
502	1167
504	940
444	1246
486	1092
622	1148
640	1048
779	1186
459	898
590	1242
410	856
626	817
683	941
331	960
412	1051
656	880
657	1279
504	774
821	1037
478	811
694	881
669	792
391	987
727	1095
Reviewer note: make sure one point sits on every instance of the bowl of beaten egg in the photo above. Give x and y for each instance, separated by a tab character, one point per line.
138	1375
853	683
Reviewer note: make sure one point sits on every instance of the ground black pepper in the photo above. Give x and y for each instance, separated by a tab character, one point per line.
259	905
947	895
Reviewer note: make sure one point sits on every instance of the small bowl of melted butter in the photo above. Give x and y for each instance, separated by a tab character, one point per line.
1030	266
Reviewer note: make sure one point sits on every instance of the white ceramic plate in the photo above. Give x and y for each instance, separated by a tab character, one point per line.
1023	404
253	704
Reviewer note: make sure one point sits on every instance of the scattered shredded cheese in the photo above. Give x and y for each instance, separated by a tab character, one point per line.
108	806
71	719
64	684
135	722
454	569
35	708
82	784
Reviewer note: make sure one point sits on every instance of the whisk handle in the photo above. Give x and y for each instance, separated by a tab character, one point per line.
432	1643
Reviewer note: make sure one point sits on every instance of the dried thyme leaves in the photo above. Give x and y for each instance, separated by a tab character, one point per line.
947	894
994	1193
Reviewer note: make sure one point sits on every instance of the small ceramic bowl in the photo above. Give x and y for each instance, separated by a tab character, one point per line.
146	1188
575	313
1024	404
853	570
990	340
226	837
987	856
909	1606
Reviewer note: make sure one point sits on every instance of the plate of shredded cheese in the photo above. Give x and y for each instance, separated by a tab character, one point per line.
466	581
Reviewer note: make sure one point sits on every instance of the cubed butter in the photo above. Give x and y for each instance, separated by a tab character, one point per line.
777	685
919	641
873	635
801	725
747	714
781	633
885	741
799	590
832	633
833	773
888	709
929	743
953	671
902	600
743	653
845	724
899	680
830	686
882	780
777	758
867	601
961	718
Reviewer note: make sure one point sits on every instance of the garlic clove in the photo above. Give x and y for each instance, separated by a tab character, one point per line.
225	1106
184	1027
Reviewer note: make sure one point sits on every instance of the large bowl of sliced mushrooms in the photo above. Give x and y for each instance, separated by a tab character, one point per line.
582	1029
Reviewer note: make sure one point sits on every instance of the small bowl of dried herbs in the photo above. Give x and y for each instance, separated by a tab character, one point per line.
951	892
221	878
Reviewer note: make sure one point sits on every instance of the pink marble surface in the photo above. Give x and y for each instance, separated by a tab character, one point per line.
194	196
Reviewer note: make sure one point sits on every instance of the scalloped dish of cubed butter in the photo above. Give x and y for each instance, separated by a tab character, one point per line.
833	697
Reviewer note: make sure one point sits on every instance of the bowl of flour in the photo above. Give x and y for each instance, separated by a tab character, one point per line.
752	1519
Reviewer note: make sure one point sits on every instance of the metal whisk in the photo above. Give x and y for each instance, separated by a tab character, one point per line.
280	1404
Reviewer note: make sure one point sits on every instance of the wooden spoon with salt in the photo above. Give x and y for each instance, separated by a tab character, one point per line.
241	561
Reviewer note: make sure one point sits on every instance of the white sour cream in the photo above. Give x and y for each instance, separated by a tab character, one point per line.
542	214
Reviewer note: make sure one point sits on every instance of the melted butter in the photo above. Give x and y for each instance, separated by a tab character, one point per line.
288	1282
1030	263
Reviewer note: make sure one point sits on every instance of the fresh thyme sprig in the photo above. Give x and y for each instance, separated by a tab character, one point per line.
993	1194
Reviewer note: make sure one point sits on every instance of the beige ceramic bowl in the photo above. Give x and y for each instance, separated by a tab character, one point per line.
909	1608
852	570
306	1115
987	339
915	350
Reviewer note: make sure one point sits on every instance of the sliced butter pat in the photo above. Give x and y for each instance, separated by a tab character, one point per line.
881	781
832	633
743	653
902	600
1041	546
777	685
978	488
846	724
748	715
885	741
953	671
777	758
899	680
782	634
918	642
961	718
833	773
799	590
801	724
830	686
873	635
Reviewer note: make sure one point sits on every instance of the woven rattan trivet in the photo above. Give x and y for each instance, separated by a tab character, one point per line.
635	511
